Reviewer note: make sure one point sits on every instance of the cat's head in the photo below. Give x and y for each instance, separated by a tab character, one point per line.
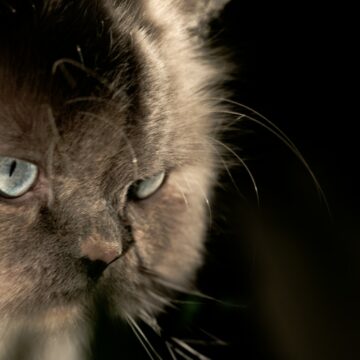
107	157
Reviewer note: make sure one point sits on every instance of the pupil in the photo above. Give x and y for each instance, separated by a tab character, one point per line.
12	168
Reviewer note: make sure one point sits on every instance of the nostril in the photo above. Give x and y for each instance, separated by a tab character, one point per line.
95	268
103	251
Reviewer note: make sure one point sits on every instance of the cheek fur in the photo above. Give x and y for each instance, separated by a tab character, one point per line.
168	228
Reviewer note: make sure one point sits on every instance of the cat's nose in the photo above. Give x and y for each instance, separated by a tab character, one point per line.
98	250
98	254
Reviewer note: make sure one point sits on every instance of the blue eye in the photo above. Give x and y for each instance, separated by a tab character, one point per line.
142	189
16	177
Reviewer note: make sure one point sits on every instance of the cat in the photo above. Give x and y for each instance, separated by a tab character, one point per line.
108	159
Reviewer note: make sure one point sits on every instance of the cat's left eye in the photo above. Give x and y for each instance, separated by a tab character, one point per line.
16	177
144	188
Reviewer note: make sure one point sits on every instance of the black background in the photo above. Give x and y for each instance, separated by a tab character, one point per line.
296	267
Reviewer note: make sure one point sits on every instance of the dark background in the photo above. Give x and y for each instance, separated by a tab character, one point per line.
293	261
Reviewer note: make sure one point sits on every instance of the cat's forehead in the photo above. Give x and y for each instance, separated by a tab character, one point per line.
60	57
65	47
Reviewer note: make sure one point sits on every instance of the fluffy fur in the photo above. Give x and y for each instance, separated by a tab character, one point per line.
100	94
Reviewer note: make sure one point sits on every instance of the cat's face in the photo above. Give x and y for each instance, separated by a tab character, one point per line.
106	104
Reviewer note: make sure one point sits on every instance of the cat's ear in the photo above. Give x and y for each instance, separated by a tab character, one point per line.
200	13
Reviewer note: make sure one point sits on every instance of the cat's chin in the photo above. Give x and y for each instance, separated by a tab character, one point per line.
59	317
52	320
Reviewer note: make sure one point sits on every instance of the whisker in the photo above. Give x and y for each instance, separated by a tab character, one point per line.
151	322
215	341
141	341
79	51
191	350
245	167
80	66
141	334
229	174
298	154
215	338
229	124
179	289
86	99
278	133
205	343
188	302
182	194
227	169
208	206
168	345
261	116
162	300
184	356
204	197
52	122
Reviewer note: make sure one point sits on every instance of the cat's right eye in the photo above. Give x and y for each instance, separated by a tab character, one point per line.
144	188
16	177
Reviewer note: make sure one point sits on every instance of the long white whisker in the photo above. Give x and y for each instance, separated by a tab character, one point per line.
141	333
215	338
187	302
182	194
191	350
229	173
208	206
163	301
140	340
277	132
184	356
86	99
245	167
204	197
168	345
298	154
180	289
231	123
205	343
282	133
